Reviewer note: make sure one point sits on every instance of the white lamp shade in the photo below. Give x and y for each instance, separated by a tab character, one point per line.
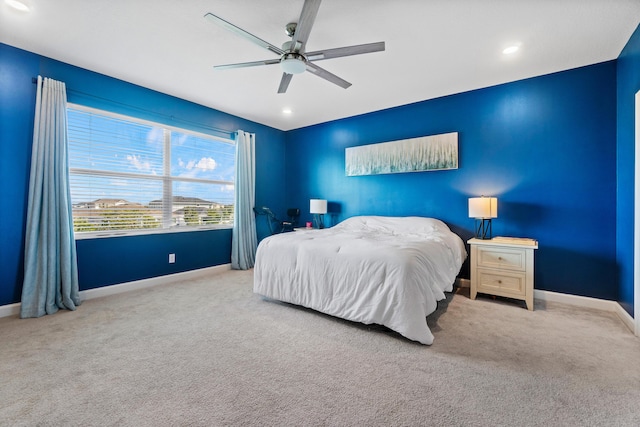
318	206
483	207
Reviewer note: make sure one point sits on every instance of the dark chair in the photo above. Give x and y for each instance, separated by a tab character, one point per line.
293	214
276	225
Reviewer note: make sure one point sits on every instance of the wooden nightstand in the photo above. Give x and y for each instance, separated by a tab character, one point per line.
503	266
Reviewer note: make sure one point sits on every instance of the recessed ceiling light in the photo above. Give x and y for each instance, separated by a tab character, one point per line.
511	49
18	5
286	111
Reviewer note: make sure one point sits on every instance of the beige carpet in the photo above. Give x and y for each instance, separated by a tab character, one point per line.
208	352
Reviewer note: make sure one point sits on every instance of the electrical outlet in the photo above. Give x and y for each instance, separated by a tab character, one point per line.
172	258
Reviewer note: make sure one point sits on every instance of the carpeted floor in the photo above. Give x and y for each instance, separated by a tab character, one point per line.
209	352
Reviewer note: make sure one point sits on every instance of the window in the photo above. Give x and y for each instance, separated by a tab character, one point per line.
130	176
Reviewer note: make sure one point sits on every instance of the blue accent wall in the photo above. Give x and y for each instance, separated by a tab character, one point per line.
109	261
103	262
557	151
16	131
546	147
628	84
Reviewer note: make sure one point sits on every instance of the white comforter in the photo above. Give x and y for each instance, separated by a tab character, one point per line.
370	269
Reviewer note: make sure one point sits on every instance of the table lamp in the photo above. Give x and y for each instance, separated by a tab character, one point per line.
483	209
318	207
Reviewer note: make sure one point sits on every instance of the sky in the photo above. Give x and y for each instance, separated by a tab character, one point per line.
120	146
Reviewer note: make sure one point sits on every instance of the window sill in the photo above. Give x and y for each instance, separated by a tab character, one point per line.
122	233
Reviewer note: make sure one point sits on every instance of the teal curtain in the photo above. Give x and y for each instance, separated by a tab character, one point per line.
244	240
50	265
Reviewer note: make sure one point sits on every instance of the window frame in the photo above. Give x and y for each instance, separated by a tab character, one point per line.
166	178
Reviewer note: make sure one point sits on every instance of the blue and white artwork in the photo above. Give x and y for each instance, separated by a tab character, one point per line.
425	153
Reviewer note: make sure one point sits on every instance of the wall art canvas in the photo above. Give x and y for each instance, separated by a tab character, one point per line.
425	153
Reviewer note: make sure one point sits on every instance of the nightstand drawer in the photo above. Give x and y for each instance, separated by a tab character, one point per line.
501	283
503	258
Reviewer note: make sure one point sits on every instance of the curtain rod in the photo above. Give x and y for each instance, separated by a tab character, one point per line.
230	134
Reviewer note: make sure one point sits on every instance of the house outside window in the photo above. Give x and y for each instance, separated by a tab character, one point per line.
129	176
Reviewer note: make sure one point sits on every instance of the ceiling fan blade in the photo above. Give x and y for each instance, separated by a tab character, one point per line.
246	64
345	51
284	82
305	23
242	33
321	72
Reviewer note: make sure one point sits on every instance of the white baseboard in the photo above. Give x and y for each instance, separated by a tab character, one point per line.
14	309
626	319
587	302
575	300
9	310
153	281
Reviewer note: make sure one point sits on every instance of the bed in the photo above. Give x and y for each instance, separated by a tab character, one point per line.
390	271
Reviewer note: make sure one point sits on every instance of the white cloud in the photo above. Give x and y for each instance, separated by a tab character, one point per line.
207	163
194	168
138	164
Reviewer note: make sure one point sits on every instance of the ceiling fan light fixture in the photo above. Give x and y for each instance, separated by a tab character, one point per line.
293	63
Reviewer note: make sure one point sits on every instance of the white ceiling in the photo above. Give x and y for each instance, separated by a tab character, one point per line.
433	48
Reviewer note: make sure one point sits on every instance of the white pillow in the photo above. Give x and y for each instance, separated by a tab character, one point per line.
393	224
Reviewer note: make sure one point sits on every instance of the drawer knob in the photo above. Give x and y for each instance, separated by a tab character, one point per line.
499	258
499	282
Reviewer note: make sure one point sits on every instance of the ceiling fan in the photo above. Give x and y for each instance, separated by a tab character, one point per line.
294	59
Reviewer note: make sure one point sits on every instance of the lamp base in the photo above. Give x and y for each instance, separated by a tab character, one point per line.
483	229
318	219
